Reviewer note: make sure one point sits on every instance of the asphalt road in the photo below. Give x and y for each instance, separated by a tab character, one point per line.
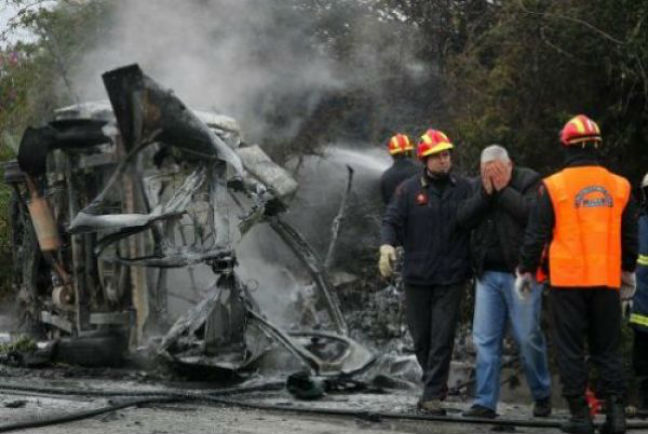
197	418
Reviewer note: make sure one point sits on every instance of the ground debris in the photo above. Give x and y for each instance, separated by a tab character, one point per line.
18	403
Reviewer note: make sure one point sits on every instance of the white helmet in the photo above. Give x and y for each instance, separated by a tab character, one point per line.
644	183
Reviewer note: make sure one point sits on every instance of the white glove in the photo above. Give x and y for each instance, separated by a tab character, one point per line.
628	285
387	258
523	285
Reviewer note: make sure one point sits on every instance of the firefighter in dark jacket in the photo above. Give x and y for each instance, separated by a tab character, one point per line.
400	148
587	216
422	217
639	315
498	212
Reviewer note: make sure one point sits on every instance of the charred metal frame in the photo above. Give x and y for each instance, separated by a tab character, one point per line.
147	117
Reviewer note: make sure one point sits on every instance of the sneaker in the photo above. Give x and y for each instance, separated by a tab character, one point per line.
479	411
432	407
542	407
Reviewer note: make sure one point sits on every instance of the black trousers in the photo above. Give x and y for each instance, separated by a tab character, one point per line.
640	364
432	315
593	314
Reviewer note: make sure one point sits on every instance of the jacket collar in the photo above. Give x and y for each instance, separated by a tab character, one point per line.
576	157
578	162
426	181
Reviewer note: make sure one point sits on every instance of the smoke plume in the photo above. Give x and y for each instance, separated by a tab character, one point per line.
265	62
270	64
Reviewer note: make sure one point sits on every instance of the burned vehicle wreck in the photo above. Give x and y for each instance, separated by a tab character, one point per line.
115	203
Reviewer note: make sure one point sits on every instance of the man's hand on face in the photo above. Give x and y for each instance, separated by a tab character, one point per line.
486	178
501	174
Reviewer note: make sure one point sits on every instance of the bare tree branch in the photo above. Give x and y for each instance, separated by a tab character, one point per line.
561	51
573	20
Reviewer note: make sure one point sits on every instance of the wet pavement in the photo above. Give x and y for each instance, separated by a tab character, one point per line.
216	418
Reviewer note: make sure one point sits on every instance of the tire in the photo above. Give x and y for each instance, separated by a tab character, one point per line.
107	350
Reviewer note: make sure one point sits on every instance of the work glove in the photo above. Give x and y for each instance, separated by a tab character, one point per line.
386	261
523	285
627	291
628	285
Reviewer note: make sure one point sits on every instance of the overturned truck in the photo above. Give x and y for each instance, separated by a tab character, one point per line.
115	202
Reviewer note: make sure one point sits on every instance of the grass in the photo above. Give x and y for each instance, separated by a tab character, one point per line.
24	344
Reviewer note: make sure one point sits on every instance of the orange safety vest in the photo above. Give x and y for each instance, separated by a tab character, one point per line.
588	203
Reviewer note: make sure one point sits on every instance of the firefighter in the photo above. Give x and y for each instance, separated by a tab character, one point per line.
401	149
422	217
587	216
639	314
497	212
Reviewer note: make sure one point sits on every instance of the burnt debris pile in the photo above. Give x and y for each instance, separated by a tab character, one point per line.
121	206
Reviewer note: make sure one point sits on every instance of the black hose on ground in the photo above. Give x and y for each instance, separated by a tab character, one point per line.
84	414
216	397
379	416
149	397
262	387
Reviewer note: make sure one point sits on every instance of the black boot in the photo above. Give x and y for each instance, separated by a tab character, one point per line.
643	394
580	421
615	422
643	400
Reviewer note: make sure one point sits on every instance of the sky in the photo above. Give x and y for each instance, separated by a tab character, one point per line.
7	12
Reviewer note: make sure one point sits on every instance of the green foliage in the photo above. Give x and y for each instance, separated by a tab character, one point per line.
537	63
6	252
34	76
34	80
23	344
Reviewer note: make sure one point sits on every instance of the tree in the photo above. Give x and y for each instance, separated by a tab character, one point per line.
35	80
541	62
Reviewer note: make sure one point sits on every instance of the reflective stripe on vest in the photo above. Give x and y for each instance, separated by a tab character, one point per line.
643	260
639	315
588	204
639	319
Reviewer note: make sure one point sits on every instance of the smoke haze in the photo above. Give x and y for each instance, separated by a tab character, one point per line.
264	62
267	63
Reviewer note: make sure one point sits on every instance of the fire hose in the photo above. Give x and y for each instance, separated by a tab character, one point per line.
147	397
220	397
80	415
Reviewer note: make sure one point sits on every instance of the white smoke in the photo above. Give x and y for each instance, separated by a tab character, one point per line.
247	58
231	56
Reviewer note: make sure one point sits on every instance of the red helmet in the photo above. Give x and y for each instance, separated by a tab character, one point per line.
399	143
432	142
580	129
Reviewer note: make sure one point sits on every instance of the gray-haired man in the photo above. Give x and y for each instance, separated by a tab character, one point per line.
497	214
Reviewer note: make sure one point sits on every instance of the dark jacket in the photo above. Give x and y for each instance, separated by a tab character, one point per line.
639	316
542	220
402	169
498	221
422	217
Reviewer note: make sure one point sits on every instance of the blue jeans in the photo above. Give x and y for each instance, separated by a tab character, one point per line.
496	305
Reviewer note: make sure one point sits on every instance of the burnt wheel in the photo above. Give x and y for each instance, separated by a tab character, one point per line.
107	349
